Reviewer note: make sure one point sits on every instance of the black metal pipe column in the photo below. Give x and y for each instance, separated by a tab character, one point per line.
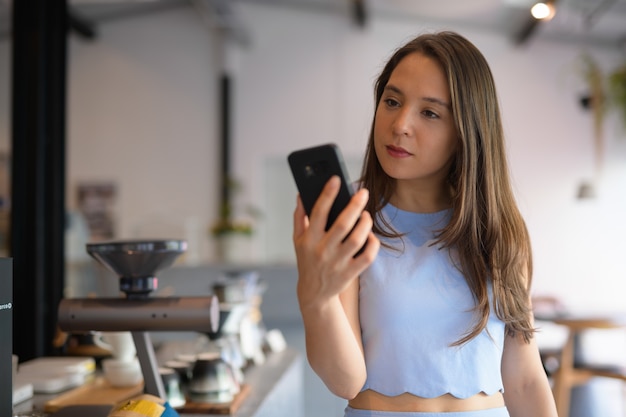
38	172
225	95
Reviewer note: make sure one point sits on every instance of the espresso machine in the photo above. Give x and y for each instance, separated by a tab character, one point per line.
136	264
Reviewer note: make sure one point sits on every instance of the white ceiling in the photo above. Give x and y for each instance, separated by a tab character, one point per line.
597	22
594	22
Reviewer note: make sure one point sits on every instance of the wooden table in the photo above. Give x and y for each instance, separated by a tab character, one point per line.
570	374
276	389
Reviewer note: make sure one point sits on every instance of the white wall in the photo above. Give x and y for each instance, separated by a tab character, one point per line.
143	112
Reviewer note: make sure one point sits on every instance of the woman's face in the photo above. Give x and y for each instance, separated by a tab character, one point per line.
414	132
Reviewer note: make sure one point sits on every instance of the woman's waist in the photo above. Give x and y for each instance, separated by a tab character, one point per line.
372	400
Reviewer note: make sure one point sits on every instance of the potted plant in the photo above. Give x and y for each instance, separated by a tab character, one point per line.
233	232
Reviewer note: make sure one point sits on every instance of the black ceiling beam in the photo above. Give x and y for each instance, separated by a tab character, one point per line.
85	28
530	25
221	15
597	11
527	29
359	12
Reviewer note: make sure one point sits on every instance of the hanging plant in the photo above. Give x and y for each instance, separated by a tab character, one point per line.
596	98
617	91
597	103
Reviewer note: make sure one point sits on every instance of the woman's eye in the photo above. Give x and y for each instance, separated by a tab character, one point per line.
390	102
430	114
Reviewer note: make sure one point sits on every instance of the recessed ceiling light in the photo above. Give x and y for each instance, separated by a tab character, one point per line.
543	11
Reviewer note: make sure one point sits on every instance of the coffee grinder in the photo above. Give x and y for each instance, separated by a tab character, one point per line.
136	264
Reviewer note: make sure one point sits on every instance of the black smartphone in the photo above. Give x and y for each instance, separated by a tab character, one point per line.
312	168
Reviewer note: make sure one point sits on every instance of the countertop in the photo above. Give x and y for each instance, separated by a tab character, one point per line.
276	389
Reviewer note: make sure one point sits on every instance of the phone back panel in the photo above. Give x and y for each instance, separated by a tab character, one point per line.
312	168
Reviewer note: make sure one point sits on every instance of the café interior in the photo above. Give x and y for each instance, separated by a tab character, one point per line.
150	123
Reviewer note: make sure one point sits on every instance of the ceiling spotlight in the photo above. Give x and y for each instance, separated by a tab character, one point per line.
543	11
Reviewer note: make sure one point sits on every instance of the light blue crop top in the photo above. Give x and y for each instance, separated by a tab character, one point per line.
413	305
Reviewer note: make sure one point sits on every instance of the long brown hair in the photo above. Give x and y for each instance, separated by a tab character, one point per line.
486	227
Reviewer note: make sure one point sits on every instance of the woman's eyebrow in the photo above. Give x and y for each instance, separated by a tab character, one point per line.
434	100
437	101
391	87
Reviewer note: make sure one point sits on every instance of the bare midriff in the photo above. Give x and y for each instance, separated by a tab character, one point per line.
372	400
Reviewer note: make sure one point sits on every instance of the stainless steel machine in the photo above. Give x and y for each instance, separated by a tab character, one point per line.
136	264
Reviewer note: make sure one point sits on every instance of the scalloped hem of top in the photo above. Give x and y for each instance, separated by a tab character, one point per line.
429	395
490	412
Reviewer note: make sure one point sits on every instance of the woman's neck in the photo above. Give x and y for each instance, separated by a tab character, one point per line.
421	198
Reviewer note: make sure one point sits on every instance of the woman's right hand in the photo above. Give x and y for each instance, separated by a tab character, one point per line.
328	272
327	264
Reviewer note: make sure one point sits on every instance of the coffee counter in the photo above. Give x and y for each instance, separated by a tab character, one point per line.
275	390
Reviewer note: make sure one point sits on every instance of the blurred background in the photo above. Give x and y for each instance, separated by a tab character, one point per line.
144	122
156	90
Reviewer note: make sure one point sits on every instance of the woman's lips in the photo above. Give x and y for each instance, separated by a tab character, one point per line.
397	152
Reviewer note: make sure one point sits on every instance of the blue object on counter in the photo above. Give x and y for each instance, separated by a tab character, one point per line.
169	411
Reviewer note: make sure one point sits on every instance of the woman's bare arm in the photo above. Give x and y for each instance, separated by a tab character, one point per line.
328	288
527	392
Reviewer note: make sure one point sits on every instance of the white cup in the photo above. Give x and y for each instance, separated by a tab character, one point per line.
122	373
120	344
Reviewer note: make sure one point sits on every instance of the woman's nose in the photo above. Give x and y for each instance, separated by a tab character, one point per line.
403	123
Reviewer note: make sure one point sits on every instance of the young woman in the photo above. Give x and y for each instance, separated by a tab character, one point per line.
434	316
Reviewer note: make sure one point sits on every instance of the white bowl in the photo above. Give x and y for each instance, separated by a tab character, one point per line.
122	373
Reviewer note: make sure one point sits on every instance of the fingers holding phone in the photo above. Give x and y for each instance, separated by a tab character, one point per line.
310	229
313	220
360	242
327	259
348	229
327	198
320	212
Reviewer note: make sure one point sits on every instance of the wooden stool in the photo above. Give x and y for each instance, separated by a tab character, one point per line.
570	374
